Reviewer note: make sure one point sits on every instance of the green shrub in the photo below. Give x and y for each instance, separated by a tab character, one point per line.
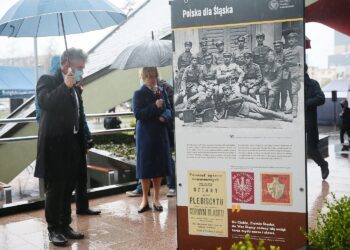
248	245
118	138
333	228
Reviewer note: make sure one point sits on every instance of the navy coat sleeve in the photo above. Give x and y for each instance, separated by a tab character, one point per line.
142	110
317	98
51	97
168	112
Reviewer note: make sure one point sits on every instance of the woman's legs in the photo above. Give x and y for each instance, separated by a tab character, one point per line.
156	184
145	188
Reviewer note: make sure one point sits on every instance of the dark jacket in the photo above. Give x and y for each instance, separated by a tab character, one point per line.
152	140
345	117
56	138
313	97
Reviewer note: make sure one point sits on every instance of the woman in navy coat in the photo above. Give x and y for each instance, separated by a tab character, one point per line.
152	110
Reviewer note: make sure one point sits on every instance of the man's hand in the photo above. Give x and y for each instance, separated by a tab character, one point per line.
162	119
160	103
69	79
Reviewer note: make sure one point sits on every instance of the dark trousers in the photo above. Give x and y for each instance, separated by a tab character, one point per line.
342	133
312	148
81	196
58	203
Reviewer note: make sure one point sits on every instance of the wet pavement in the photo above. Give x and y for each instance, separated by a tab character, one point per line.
121	227
118	227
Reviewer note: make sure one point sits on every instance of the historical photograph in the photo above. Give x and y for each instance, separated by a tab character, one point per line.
239	73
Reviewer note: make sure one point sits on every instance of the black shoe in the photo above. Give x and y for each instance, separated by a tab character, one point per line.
325	171
57	239
89	211
144	209
69	233
158	208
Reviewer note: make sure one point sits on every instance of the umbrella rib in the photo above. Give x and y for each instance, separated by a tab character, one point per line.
5	25
96	20
109	14
76	18
37	29
58	24
19	28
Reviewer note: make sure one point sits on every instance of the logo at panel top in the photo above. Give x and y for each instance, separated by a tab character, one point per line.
273	4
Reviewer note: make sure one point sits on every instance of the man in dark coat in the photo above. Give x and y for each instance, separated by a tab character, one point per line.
314	97
61	143
81	196
345	123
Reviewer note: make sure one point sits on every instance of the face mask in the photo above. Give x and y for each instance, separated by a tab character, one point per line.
141	82
78	74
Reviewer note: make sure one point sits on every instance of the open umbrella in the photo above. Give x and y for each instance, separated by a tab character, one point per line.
41	18
150	53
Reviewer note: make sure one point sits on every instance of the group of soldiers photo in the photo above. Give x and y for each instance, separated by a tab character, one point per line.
254	83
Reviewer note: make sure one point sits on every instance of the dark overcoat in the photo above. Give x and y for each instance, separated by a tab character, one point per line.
152	140
314	97
57	158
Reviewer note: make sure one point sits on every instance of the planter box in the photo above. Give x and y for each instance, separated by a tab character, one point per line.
107	169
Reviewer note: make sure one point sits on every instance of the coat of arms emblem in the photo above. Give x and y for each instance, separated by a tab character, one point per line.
275	188
273	4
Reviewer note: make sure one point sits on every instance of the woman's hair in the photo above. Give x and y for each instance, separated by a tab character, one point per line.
148	72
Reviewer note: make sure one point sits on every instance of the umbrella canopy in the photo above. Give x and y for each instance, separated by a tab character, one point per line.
40	18
152	53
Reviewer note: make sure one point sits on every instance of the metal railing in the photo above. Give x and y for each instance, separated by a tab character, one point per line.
6	189
95	132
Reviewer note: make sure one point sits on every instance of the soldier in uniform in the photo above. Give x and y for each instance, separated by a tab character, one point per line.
272	79
208	72
238	54
259	57
252	76
201	101
219	56
229	73
190	78
279	57
237	104
183	61
204	51
294	60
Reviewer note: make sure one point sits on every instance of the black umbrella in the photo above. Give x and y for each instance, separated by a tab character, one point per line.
151	53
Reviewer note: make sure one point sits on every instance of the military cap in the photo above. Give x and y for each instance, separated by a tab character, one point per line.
203	42
278	42
293	34
241	38
248	54
209	55
227	54
188	43
225	87
218	43
194	57
260	34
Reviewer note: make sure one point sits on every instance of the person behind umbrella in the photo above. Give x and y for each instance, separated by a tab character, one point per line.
345	123
314	97
152	110
61	143
81	197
